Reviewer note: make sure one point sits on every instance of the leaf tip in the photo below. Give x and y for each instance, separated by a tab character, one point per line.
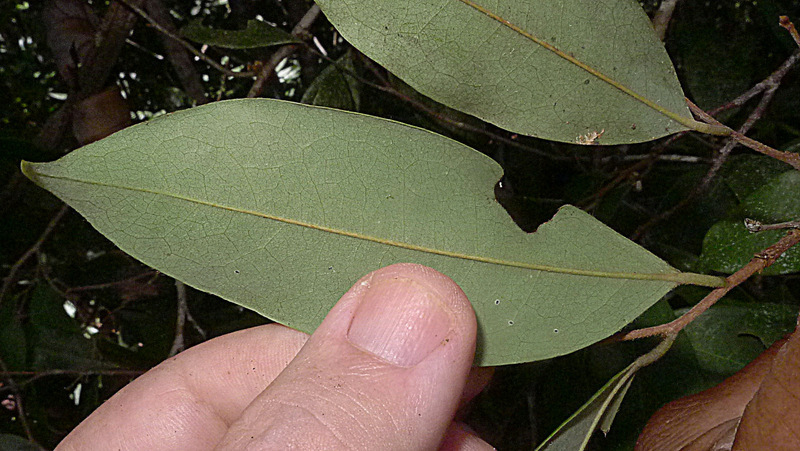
28	170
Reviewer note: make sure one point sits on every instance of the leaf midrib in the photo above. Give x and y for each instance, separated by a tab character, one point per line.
676	277
685	121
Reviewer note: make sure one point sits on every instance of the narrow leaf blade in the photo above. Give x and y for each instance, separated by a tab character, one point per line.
280	207
556	70
599	411
256	34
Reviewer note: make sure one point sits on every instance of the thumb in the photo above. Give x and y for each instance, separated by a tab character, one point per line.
384	370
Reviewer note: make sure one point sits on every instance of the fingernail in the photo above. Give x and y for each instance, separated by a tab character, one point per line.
400	320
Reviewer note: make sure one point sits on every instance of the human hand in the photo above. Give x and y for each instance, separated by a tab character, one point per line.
386	369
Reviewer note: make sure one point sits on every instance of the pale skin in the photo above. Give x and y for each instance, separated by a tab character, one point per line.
387	369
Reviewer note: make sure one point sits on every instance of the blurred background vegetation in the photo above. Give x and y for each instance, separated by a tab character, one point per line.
79	319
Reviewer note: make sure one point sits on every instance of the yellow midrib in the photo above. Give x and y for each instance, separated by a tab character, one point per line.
676	277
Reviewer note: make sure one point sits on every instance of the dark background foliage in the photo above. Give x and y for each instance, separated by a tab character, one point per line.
79	319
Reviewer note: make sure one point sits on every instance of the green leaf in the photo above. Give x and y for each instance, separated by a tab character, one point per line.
257	34
746	173
778	200
599	411
732	334
555	70
728	245
281	207
334	87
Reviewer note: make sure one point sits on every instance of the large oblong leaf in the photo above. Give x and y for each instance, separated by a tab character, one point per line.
558	70
280	207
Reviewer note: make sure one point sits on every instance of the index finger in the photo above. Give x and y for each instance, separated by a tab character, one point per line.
188	401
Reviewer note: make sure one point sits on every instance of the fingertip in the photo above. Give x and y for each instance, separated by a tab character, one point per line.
460	437
387	365
407	312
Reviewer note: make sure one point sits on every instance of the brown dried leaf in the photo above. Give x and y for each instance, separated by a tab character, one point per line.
772	418
707	420
71	27
100	115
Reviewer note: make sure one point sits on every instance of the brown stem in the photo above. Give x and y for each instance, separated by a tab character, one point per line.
18	403
716	165
103	286
178	343
177	53
773	79
268	69
789	158
789	26
769	83
754	226
11	278
36	375
662	17
208	60
757	263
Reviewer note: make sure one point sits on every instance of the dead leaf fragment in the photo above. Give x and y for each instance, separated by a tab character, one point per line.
590	138
772	418
100	115
707	420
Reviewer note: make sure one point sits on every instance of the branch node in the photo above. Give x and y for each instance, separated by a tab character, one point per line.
752	225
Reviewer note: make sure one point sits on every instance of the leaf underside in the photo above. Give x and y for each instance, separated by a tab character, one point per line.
280	207
524	74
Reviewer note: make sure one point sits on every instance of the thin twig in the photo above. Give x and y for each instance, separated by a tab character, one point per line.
790	158
208	60
772	80
754	226
716	165
103	286
631	171
662	17
789	26
672	158
725	151
268	69
178	343
11	278
18	403
758	263
36	375
177	53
